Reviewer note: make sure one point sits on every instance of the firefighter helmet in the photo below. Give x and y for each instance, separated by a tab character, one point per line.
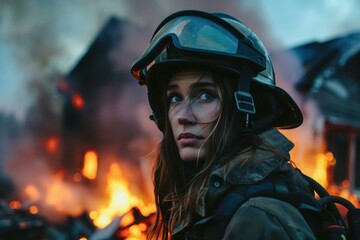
196	38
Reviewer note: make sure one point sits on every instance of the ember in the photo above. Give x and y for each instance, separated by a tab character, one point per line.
90	165
78	101
52	144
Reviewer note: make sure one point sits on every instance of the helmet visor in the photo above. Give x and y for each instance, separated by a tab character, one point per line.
192	33
199	34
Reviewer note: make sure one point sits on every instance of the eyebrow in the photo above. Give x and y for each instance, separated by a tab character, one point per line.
193	86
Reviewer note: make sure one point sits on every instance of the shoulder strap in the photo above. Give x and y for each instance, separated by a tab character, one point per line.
322	215
214	226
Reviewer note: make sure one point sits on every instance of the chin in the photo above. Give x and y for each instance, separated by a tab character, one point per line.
189	155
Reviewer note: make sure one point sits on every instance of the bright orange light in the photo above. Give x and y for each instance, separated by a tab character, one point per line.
52	144
142	227
329	156
33	209
93	215
128	219
320	172
15	204
78	101
32	192
90	165
135	231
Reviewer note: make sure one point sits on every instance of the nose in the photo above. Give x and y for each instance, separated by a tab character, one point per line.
185	115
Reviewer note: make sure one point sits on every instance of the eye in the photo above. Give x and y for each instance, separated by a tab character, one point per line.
174	98
206	96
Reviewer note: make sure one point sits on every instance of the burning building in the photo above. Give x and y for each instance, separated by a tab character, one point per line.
103	138
326	79
87	166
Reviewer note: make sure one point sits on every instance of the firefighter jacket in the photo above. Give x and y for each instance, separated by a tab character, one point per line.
259	217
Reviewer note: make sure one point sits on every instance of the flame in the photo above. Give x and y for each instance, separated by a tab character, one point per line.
119	203
134	232
90	165
137	231
120	200
324	161
78	101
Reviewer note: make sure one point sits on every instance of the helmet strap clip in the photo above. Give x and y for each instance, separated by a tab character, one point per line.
244	102
243	99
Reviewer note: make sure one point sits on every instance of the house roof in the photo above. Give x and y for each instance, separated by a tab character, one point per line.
331	75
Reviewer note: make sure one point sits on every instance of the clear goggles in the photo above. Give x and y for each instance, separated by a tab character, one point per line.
200	35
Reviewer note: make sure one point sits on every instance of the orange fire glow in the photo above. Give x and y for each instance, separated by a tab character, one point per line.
323	162
32	192
90	165
52	144
78	101
117	201
33	209
120	201
135	232
59	195
15	205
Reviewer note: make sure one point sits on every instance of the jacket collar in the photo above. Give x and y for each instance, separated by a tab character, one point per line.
227	175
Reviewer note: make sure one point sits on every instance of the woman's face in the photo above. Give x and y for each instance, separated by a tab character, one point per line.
194	106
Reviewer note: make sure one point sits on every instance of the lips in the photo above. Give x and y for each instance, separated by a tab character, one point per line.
187	139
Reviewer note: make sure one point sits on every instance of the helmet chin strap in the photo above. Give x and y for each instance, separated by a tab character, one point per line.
244	100
155	116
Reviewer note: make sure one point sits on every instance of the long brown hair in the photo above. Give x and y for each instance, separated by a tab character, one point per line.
175	196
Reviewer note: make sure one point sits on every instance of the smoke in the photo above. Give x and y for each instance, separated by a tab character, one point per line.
40	38
41	41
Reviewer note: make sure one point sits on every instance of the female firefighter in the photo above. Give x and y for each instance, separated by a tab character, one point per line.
211	87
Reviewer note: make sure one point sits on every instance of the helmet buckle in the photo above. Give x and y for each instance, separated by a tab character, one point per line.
244	102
